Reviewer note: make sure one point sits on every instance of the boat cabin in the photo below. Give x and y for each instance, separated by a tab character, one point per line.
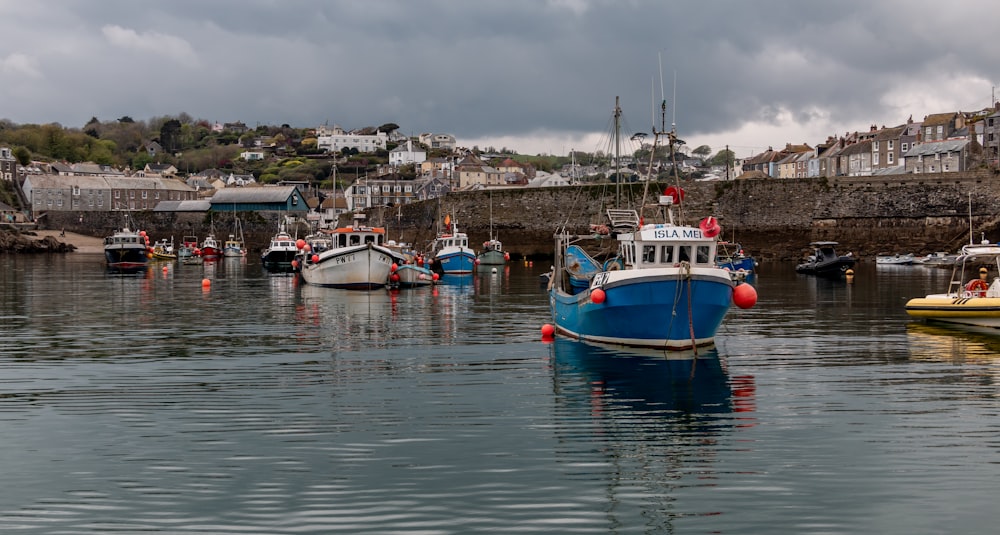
350	236
450	240
660	245
123	239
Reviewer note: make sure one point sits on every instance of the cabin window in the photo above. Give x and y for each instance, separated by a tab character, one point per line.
355	240
648	254
342	241
703	256
684	253
666	254
369	239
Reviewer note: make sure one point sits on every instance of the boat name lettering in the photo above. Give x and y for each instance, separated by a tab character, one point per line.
600	279
677	233
345	259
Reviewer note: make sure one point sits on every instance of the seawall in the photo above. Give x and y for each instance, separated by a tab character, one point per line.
772	218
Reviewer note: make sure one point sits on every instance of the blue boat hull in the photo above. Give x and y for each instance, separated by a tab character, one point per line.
647	311
746	264
458	262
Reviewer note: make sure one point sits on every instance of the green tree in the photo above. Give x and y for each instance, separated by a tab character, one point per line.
702	151
22	154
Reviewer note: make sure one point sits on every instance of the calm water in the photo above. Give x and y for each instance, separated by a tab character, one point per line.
152	404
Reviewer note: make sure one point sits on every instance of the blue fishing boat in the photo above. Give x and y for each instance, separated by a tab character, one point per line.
732	256
663	289
451	252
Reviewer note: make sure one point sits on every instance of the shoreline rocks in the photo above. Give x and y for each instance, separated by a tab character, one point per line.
30	242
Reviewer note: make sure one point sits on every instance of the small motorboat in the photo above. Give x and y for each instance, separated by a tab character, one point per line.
825	262
895	259
971	298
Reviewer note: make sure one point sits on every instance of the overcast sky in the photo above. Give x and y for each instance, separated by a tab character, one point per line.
538	76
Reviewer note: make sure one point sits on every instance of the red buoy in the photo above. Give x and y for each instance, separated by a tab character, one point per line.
435	276
597	296
295	264
675	192
548	330
710	227
394	277
315	258
300	243
394	266
744	296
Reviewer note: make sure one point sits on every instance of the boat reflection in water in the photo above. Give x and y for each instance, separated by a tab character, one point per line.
953	343
657	421
695	389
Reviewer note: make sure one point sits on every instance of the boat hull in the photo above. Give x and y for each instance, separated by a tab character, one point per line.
492	258
975	311
456	261
412	276
833	269
736	264
126	257
661	308
362	267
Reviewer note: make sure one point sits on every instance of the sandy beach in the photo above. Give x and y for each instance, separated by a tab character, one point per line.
83	243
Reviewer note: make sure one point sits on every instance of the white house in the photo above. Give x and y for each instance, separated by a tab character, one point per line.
406	154
336	142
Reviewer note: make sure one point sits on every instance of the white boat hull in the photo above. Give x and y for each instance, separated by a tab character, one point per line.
359	267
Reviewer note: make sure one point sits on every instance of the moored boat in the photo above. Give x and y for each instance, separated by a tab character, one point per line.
451	252
210	248
971	298
825	262
894	259
492	254
163	249
357	260
280	252
413	276
234	244
663	289
127	249
732	256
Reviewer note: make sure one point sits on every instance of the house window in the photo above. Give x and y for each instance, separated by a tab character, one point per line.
889	159
888	145
940	130
144	193
927	131
874	146
118	194
131	195
76	190
156	195
875	159
904	147
945	167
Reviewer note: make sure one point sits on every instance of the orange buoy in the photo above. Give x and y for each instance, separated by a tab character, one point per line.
597	296
295	264
205	283
710	227
435	276
548	330
307	248
744	296
315	258
300	243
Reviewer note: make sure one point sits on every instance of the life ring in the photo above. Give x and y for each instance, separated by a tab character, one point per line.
613	264
976	288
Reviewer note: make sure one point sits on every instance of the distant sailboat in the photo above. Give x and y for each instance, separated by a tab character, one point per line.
492	253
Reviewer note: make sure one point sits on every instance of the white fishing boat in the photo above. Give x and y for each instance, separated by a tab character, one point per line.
357	259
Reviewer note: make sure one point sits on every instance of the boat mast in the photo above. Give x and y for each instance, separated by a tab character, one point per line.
618	155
